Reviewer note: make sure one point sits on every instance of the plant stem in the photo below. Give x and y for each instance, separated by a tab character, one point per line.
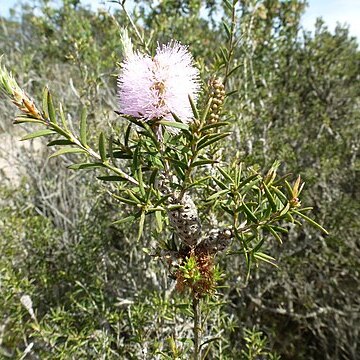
197	328
137	32
231	41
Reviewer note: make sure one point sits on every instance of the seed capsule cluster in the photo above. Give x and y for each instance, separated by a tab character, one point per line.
217	93
185	220
216	240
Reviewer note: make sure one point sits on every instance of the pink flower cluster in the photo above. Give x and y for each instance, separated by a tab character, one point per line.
153	88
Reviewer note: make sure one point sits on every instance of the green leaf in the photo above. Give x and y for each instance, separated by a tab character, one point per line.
149	133
121	155
206	111
85	166
250	214
39	133
141	225
83	126
228	4
159	221
247	180
178	125
274	233
67	151
258	245
289	188
198	182
60	142
130	218
140	181
62	117
135	196
102	147
244	246
204	162
20	119
234	69
127	135
194	108
227	30
285	209
270	198
45	102
230	93
215	125
51	109
311	221
282	197
266	258
217	194
220	184
212	139
227	209
225	175
111	178
224	55
237	175
125	200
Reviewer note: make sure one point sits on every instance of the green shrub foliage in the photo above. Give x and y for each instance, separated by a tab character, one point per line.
292	106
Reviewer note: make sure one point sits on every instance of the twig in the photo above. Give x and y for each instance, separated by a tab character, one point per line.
197	328
132	23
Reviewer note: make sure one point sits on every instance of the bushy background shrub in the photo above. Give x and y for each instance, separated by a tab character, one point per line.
95	293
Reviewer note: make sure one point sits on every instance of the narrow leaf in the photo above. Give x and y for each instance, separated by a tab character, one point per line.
159	221
178	125
36	134
141	225
130	218
125	200
270	198
51	109
224	55
83	126
249	213
213	140
60	142
67	151
206	111
102	148
247	180
311	221
266	258
285	209
233	70
230	93
215	125
111	178
62	117
227	30
127	135
225	175
228	4
204	162
26	119
217	194
220	184
274	233
194	108
85	166
45	102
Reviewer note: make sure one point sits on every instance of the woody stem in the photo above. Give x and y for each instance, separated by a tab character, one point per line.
196	328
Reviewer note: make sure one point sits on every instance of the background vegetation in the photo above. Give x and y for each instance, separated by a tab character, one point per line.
95	293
